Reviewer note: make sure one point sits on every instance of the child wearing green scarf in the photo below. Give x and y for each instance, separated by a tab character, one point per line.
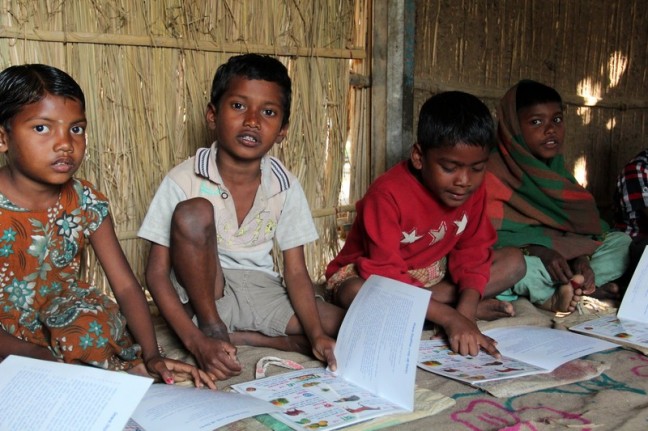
536	204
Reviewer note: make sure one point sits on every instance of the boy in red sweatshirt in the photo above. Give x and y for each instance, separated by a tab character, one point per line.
424	222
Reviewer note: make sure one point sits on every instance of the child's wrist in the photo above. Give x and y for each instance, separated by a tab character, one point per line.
151	355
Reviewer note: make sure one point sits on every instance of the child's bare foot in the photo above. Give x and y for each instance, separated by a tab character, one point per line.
492	309
566	296
562	300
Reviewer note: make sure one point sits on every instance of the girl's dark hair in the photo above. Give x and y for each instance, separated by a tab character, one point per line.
28	83
529	93
253	66
453	117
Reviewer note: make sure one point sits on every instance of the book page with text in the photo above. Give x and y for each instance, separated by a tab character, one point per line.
525	350
545	347
436	357
377	347
376	352
315	398
625	332
634	305
191	409
44	395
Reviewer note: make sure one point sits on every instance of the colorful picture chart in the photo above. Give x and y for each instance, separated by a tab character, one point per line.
317	399
524	350
372	378
435	356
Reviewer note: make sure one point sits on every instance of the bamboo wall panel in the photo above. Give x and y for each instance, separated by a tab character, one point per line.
581	47
146	69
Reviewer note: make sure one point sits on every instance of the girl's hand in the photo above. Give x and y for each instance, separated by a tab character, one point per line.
171	371
582	266
556	265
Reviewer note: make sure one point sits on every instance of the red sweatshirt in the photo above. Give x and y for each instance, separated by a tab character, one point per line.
401	226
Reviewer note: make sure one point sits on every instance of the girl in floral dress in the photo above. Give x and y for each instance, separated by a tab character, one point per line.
46	216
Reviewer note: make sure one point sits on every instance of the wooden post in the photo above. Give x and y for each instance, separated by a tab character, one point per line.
392	73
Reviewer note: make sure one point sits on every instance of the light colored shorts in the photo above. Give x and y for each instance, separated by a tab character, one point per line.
254	301
429	276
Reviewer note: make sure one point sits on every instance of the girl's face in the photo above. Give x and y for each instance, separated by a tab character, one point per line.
47	142
543	129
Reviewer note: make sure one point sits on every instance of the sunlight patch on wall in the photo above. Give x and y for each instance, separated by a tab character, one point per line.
580	171
589	91
617	65
345	189
585	114
611	123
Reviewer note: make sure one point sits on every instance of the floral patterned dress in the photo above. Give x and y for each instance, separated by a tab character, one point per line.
42	300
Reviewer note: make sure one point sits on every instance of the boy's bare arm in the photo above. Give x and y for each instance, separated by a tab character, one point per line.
467	303
215	356
302	296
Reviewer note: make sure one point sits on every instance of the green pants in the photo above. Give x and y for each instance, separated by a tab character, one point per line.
609	262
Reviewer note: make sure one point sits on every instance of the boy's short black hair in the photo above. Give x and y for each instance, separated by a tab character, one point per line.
28	83
253	66
529	93
454	117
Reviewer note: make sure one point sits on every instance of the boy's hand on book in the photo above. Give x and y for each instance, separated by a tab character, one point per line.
217	357
556	265
489	347
214	352
465	338
323	348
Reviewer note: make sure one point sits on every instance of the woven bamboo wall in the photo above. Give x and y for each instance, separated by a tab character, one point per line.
146	69
581	47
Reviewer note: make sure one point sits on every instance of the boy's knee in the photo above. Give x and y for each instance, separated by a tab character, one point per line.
510	260
193	217
347	291
519	265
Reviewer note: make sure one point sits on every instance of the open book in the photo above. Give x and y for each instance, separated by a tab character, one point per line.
376	354
41	395
525	350
629	327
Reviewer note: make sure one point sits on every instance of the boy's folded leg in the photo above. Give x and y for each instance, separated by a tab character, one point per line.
287	343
